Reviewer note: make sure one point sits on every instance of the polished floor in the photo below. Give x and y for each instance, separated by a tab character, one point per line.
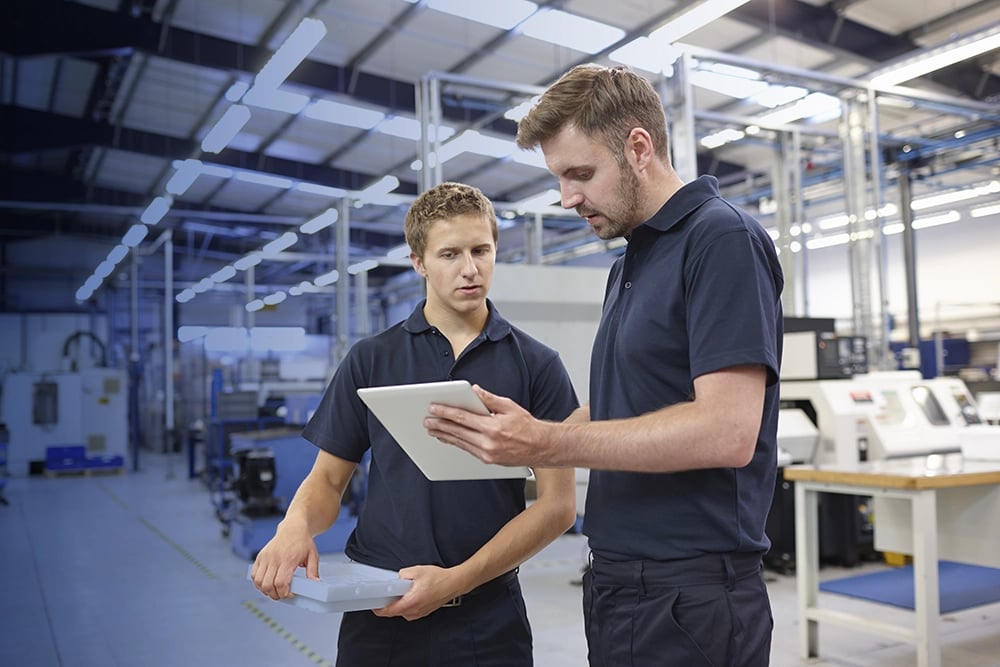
133	570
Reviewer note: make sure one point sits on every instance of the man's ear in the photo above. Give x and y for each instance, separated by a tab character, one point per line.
639	148
418	265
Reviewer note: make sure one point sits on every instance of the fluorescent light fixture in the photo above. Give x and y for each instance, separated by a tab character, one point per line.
277	339
521	110
828	241
575	32
104	269
185	295
698	16
227	339
328	278
291	53
278	245
254	306
260	178
83	294
156	210
236	91
294	290
535	202
741	87
721	138
135	234
398	252
275	299
321	221
93	282
532	158
203	285
930	60
223	274
187	171
216	170
321	190
935	220
409	128
226	128
363	265
811	106
382	187
645	54
188	333
307	287
246	261
276	99
343	114
503	15
990	188
776	96
892	228
472	141
833	221
983	211
118	253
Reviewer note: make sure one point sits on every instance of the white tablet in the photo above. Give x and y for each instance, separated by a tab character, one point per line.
345	586
402	408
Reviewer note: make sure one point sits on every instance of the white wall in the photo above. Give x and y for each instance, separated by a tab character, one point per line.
34	342
958	279
558	305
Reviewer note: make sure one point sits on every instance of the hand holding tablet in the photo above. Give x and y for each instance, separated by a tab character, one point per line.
402	408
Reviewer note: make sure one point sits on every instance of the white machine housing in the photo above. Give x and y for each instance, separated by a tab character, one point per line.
88	408
888	415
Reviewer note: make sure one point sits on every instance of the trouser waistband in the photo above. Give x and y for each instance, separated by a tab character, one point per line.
724	568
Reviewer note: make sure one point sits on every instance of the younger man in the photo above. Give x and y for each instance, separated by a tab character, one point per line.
459	542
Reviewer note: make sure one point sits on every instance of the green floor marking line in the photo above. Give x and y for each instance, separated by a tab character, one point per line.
184	552
121	503
286	635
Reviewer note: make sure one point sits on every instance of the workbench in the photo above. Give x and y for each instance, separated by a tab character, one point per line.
931	507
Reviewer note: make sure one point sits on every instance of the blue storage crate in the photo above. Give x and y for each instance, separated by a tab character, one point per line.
66	457
105	462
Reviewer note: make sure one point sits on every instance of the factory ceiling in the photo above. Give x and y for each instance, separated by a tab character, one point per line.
102	101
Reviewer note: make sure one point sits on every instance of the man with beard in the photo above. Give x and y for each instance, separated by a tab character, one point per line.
680	431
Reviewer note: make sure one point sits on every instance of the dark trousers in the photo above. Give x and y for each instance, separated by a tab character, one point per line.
710	611
488	629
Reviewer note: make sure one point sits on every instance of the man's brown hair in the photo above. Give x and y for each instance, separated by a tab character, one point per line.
605	103
441	202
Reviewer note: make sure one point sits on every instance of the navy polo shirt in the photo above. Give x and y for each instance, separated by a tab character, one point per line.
406	519
697	290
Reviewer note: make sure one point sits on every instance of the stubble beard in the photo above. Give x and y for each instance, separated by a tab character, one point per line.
622	219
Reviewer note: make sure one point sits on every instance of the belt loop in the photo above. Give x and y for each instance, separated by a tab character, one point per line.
641	583
730	572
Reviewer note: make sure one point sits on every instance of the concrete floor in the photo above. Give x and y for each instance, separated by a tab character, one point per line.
133	569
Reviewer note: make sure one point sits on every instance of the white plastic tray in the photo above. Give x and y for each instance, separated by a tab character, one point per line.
345	586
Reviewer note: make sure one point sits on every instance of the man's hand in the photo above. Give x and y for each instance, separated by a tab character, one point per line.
432	587
509	436
276	563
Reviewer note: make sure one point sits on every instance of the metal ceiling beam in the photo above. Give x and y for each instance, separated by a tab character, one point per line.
53	131
87	32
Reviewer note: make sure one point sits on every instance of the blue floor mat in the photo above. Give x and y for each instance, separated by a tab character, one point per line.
961	586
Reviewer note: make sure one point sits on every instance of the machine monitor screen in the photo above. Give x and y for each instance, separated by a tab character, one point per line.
929	404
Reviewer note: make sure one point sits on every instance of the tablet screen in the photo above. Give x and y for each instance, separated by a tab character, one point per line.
402	408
